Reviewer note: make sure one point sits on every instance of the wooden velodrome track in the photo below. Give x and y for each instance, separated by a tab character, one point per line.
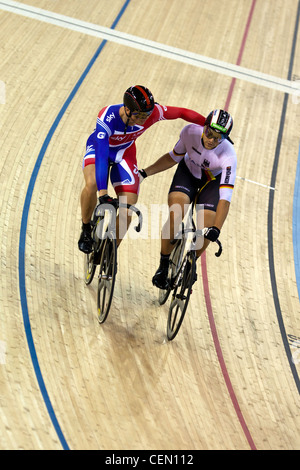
230	380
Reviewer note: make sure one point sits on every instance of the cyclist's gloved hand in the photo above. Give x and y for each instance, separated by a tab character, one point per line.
142	175
106	199
212	233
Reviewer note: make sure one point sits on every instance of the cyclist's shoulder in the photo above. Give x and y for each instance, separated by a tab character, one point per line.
191	130
229	148
227	153
109	118
110	112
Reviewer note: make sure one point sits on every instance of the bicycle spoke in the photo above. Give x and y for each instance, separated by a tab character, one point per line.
106	285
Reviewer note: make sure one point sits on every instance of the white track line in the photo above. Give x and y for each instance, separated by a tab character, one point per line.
255	182
242	73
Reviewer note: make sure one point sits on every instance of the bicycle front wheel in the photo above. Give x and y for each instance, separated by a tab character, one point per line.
107	277
181	295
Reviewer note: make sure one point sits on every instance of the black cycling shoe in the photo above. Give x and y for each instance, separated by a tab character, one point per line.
160	278
85	242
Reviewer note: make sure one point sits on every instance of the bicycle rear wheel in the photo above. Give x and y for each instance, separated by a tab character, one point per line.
107	277
181	295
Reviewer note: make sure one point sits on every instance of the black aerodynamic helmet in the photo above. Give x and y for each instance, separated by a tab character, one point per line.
220	121
139	98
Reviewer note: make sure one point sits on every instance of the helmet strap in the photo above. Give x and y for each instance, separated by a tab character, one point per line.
127	122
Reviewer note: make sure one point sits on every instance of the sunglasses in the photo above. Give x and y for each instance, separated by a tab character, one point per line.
211	136
141	115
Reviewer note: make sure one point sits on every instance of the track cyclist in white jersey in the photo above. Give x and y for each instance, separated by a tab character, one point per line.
206	161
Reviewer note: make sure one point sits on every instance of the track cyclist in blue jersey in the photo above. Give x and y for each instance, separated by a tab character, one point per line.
207	162
111	150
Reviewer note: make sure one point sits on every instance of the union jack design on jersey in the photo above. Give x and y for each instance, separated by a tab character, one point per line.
109	145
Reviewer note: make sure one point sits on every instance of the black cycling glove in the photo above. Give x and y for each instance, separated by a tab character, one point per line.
212	233
142	175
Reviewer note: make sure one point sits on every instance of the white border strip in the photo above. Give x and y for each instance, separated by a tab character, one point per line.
255	182
181	55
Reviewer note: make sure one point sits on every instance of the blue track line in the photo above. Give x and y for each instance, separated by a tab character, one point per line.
22	240
296	224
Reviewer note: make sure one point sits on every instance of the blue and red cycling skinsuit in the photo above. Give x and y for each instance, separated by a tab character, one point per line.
108	145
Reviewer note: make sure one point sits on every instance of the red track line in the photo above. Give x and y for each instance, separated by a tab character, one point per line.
240	53
205	277
220	354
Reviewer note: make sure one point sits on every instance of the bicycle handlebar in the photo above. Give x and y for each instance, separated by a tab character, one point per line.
219	252
198	233
201	233
138	227
115	204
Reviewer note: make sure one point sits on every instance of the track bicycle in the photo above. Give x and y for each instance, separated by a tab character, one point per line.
182	273
104	252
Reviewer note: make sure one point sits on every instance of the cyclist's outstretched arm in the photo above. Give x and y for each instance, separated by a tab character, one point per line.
163	163
172	112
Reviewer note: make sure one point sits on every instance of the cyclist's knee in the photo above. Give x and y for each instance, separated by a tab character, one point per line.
128	198
90	186
90	178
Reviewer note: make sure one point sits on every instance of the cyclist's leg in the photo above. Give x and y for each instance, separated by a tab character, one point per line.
181	194
178	203
125	180
88	201
124	217
208	199
88	197
182	191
